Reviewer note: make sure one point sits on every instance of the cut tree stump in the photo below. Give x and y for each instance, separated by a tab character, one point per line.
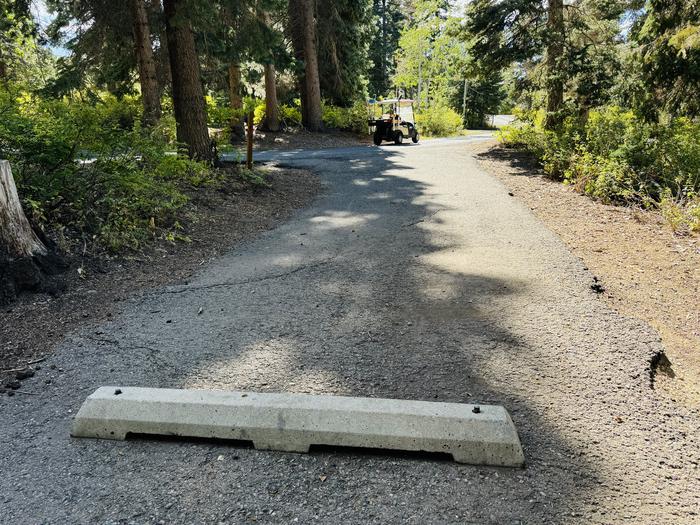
25	261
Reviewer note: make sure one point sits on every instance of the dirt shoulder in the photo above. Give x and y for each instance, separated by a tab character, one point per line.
645	270
30	327
301	139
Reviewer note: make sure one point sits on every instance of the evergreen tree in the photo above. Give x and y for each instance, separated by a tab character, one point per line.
344	33
188	97
15	24
388	21
150	91
302	27
566	49
670	56
101	41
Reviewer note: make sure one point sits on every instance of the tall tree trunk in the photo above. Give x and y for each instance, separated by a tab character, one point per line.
297	38
236	102
385	75
24	259
150	91
161	56
419	98
272	117
555	52
234	86
303	31
188	96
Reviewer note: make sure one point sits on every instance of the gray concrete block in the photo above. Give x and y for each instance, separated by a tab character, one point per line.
294	422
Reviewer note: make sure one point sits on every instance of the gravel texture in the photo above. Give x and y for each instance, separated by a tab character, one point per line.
94	286
646	270
415	275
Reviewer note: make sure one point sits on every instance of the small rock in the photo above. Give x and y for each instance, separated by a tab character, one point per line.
24	374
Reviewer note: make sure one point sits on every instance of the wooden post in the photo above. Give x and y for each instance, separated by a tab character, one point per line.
249	153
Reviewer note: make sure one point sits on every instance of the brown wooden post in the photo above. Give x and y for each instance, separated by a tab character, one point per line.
249	153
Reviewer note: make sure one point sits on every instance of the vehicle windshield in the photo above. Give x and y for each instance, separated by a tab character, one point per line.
406	113
389	109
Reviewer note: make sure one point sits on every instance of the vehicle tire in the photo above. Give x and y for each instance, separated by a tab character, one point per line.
398	138
415	138
377	139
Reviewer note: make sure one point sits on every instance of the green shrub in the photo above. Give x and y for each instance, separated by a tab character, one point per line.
607	179
607	128
352	119
682	216
291	115
618	157
126	188
439	121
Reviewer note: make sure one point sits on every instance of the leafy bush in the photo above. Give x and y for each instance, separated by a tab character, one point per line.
93	171
291	115
682	216
617	157
439	121
352	119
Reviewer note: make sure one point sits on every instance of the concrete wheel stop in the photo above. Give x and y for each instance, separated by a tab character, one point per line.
474	434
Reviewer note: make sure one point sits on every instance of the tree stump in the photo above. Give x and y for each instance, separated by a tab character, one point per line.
25	261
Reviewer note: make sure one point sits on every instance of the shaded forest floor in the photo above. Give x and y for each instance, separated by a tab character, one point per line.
297	138
645	270
31	326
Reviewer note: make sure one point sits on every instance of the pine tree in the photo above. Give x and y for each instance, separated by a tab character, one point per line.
188	97
150	91
670	56
567	49
384	43
302	28
344	33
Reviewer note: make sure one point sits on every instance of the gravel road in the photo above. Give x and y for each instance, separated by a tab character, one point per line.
414	275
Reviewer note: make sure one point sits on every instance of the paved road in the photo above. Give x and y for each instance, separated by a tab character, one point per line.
414	275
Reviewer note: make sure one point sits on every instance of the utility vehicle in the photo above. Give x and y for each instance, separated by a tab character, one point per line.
392	120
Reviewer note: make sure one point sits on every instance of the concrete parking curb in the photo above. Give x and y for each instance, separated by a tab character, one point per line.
481	435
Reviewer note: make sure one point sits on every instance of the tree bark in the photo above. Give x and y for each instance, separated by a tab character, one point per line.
236	102
303	31
272	117
161	56
24	259
150	91
188	96
555	52
234	86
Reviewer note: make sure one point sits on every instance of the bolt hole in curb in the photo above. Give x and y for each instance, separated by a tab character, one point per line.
473	434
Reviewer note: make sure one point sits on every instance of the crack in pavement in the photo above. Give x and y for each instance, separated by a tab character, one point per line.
425	218
226	284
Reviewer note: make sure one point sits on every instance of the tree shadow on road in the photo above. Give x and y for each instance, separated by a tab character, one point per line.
351	298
